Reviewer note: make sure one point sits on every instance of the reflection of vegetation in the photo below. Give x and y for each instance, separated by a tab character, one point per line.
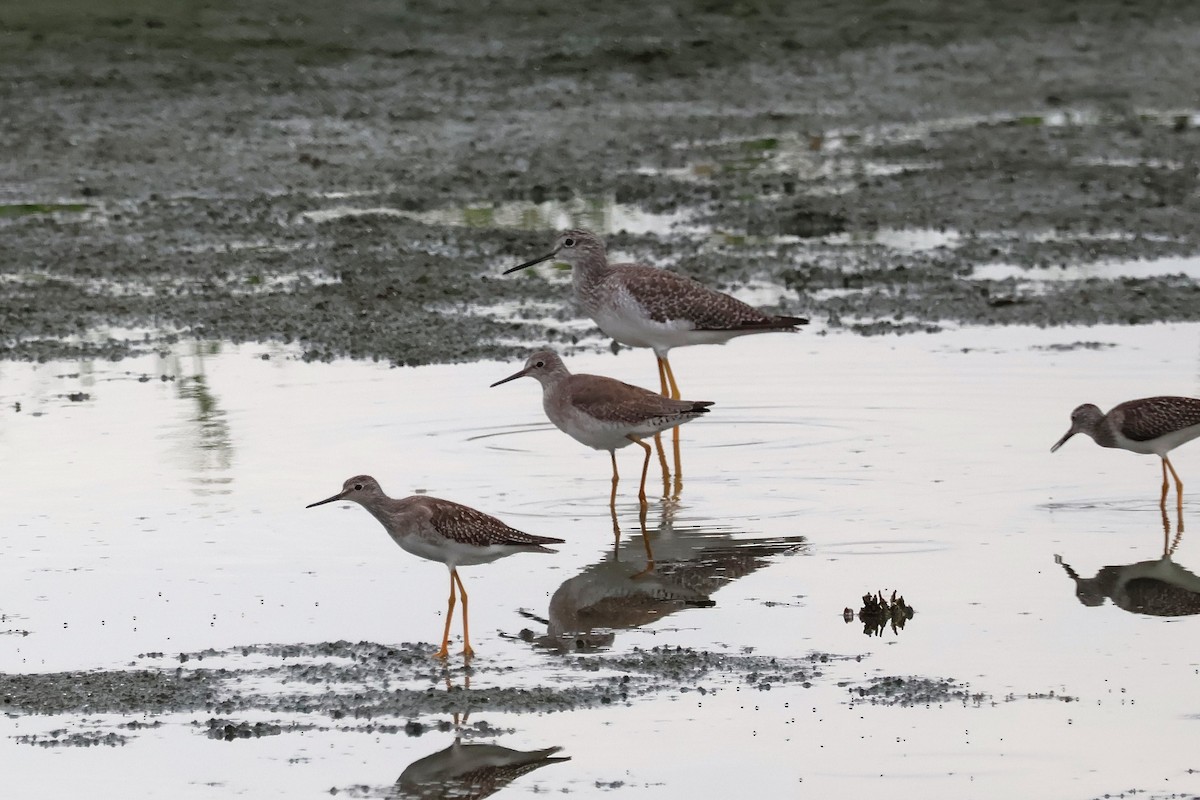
878	612
213	430
211	446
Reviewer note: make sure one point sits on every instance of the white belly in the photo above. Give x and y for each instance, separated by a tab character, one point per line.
586	429
1162	445
626	322
451	553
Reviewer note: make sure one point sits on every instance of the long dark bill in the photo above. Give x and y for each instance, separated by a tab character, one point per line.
1063	440
337	496
538	260
513	377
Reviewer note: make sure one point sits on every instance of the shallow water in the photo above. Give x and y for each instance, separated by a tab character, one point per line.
156	506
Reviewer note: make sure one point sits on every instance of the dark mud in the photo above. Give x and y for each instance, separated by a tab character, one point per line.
922	691
375	688
370	687
157	164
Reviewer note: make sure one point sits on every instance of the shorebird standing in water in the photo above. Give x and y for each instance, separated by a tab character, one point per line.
643	306
604	413
440	530
1151	425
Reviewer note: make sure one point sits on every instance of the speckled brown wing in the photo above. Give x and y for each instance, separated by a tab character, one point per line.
610	399
465	524
1151	417
667	296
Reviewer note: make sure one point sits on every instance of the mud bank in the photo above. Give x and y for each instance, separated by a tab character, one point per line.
353	180
376	688
359	682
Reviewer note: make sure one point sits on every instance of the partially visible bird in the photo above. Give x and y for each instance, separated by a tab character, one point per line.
1151	425
443	531
604	413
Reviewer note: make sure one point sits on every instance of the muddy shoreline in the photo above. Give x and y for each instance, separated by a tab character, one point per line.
168	174
370	687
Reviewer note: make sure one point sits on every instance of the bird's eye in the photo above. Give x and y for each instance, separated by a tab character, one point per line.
358	487
568	242
540	364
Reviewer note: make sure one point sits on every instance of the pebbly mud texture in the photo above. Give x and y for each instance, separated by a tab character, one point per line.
352	177
365	686
394	689
914	691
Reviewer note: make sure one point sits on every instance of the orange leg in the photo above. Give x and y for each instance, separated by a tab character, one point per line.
667	376
1178	484
669	388
444	651
666	367
1163	500
658	444
612	500
645	468
462	590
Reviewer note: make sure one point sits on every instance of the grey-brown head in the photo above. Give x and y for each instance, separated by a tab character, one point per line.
362	489
574	247
545	365
1084	419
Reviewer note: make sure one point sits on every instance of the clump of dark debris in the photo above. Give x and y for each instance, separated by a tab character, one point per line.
879	612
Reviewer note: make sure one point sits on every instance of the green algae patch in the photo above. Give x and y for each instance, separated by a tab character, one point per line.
26	209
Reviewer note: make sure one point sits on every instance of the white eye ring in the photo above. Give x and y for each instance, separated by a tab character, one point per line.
568	242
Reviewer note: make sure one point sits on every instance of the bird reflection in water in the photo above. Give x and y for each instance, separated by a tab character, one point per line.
469	770
1159	588
638	583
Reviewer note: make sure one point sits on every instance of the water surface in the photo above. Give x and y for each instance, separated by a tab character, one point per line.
155	506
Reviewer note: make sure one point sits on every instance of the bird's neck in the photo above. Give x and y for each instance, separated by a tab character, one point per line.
553	380
1103	436
386	512
589	272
